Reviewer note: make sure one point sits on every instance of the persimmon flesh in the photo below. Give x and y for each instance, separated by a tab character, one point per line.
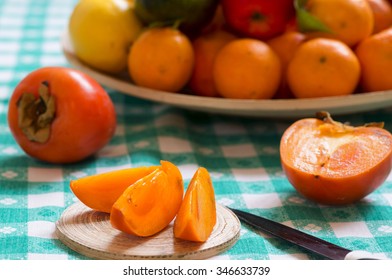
196	218
147	206
100	191
333	163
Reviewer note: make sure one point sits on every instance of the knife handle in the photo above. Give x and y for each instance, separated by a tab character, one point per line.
362	255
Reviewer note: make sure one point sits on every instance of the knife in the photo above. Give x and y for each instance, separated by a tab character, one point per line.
304	240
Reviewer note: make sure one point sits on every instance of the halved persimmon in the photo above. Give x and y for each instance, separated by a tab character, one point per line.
334	163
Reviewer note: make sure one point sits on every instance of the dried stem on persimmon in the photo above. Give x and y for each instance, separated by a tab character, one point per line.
36	114
326	117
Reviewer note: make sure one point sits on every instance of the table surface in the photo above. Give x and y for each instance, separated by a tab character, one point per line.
242	155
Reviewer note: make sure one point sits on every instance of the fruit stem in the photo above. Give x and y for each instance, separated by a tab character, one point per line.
326	117
36	114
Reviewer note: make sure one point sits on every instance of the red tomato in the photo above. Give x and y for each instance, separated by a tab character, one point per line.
60	115
336	164
260	19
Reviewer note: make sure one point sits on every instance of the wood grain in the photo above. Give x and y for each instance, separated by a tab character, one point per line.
89	233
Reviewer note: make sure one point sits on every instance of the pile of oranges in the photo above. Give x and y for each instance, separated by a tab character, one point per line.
355	57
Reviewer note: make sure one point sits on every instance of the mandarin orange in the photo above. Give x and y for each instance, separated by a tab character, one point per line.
382	13
247	69
323	67
349	21
375	56
167	67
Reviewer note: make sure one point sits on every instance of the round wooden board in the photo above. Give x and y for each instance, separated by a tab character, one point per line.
90	233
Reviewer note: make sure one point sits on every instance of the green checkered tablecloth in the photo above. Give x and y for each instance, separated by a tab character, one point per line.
242	155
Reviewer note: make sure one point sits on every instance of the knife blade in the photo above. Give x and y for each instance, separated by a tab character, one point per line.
306	241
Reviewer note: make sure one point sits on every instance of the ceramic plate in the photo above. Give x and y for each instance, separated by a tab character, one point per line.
274	108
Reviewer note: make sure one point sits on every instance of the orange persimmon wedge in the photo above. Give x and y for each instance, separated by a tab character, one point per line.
334	163
197	215
100	191
151	203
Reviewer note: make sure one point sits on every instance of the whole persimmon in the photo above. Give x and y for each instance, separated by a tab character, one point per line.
206	47
259	19
285	46
333	163
60	115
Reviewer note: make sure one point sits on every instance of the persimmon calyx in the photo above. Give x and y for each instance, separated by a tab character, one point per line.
36	114
334	127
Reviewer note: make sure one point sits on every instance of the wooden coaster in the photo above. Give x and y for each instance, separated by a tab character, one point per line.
90	233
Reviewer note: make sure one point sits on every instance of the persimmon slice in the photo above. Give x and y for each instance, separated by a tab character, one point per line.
333	163
100	191
197	215
151	203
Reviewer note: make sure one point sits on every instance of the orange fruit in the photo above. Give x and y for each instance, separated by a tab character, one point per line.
161	59
323	67
206	48
375	56
247	69
348	20
285	46
334	163
382	13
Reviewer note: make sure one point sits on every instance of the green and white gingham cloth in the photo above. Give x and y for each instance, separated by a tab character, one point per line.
242	155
